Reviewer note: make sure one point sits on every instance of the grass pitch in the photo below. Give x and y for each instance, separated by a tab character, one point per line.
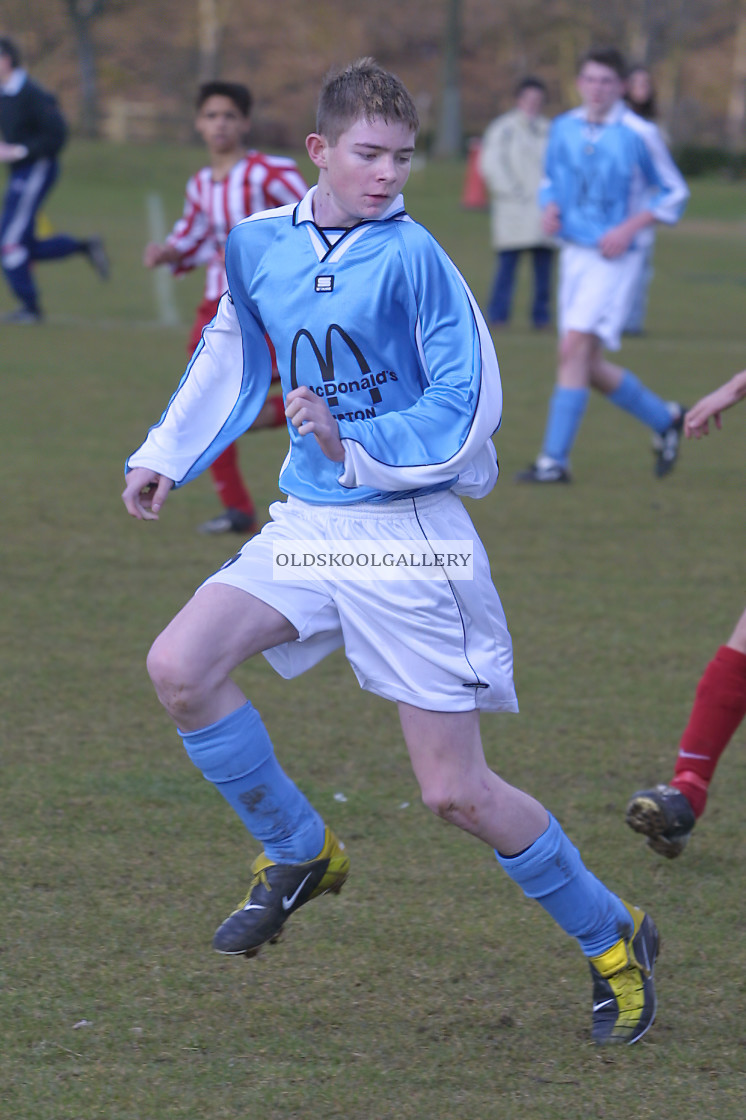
430	987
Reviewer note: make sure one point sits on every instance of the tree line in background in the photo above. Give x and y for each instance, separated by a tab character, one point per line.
127	69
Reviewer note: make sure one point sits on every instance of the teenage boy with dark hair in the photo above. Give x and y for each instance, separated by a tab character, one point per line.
608	177
234	184
34	132
393	394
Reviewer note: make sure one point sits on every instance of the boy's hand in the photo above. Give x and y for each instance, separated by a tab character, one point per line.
155	254
696	421
145	493
311	416
10	153
616	241
551	219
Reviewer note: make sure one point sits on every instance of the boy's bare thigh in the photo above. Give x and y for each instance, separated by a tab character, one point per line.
222	626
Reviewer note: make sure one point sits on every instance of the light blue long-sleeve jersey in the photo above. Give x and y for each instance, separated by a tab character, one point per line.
377	321
601	174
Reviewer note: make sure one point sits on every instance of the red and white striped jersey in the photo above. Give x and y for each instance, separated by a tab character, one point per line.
211	210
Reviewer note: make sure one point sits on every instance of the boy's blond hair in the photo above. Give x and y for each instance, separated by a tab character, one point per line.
363	90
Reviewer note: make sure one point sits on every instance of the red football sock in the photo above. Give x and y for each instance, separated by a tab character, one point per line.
229	486
719	707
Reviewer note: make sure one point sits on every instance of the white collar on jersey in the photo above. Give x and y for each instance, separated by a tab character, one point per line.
304	209
333	250
14	82
614	115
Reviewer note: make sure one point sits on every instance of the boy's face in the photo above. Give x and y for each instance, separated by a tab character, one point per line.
360	175
221	124
599	88
531	101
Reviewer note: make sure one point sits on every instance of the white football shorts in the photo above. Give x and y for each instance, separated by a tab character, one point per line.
437	643
595	294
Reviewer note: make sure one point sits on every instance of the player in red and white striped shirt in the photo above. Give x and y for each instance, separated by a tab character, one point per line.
236	183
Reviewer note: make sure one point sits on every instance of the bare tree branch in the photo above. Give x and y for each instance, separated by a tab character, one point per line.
82	13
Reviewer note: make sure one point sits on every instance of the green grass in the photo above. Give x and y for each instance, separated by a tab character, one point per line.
430	987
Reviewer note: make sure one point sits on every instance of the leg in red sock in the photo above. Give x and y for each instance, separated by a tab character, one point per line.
719	707
272	414
667	814
239	515
229	486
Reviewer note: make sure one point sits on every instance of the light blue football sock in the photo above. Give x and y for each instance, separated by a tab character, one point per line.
641	402
237	756
564	417
552	872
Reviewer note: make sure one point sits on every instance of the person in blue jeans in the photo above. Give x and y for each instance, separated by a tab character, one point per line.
501	299
511	162
33	133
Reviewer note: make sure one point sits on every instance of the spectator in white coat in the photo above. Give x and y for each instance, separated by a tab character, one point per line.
511	164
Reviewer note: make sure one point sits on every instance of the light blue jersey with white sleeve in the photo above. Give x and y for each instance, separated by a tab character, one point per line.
375	319
601	174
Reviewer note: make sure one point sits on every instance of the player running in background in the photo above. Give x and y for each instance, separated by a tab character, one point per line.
667	814
601	161
393	394
33	134
236	183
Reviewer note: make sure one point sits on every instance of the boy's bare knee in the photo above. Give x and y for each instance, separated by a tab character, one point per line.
433	801
462	811
444	801
158	664
576	346
176	689
464	799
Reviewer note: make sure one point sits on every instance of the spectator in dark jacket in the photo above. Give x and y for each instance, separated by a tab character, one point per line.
33	132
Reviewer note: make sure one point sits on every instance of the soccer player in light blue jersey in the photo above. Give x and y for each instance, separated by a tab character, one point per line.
392	394
609	177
